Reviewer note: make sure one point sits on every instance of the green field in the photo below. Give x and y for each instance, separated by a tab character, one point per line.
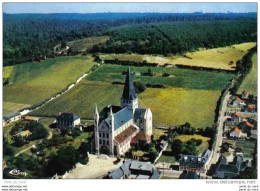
32	83
82	98
185	78
178	106
250	82
211	58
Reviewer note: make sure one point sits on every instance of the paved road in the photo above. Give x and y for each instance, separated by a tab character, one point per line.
222	118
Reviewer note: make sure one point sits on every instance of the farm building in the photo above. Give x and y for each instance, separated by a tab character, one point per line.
237	117
135	170
116	126
67	121
239	102
245	95
29	118
235	132
23	133
11	118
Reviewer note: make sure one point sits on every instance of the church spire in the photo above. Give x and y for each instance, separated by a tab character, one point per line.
129	90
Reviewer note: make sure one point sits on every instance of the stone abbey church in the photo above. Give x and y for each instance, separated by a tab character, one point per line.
119	127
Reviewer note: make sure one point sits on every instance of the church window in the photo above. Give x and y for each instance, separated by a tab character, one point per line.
99	134
103	135
107	135
141	121
107	142
103	142
100	142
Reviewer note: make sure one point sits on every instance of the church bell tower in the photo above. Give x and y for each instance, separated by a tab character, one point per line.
129	98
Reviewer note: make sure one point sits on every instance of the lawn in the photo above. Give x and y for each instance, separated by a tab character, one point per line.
212	58
185	78
247	146
7	71
32	83
250	82
178	106
82	98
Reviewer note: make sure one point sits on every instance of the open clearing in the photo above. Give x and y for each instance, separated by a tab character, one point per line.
185	78
211	58
178	106
85	44
32	83
250	82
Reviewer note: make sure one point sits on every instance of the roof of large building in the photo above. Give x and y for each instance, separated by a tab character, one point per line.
142	166
139	113
125	134
9	116
188	175
67	117
140	136
122	117
117	174
129	90
105	112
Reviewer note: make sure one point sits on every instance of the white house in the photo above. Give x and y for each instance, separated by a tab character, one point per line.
235	132
239	102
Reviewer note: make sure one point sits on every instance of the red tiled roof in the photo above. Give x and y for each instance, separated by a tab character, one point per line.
239	115
251	107
236	130
140	136
125	134
239	100
249	124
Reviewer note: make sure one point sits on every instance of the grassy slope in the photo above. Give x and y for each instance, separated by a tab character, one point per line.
82	98
32	83
214	58
182	77
177	105
7	71
250	82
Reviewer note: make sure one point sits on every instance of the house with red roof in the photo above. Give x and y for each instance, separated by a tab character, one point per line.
250	109
237	117
235	132
239	102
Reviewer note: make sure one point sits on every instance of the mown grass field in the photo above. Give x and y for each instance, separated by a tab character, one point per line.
7	71
82	98
178	105
10	107
211	58
250	82
32	83
185	78
87	43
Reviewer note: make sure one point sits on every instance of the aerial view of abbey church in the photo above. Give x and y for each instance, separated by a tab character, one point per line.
99	91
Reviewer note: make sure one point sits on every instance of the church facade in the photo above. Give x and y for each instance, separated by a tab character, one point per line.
116	127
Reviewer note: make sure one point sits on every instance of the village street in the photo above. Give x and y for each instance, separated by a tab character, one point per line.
222	118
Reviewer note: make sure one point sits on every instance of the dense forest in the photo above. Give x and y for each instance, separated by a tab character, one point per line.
30	36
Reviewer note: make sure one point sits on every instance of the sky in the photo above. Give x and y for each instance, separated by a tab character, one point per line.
128	7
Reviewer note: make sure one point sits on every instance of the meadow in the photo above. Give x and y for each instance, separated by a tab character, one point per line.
81	100
250	82
178	106
32	83
218	58
184	78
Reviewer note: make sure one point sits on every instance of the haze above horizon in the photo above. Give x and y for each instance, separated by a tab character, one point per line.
47	8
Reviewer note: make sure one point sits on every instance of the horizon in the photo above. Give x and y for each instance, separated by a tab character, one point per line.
87	8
